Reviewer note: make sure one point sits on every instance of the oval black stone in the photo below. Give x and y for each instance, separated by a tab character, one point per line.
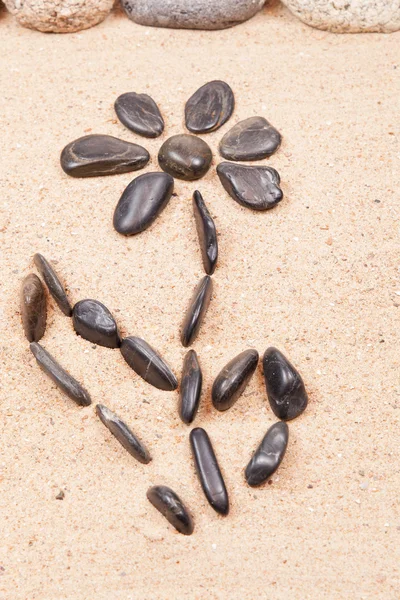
210	107
268	455
123	433
142	201
94	155
207	233
208	471
285	388
53	283
251	139
197	309
139	113
185	157
168	503
63	380
94	322
147	363
233	379
33	308
252	187
190	388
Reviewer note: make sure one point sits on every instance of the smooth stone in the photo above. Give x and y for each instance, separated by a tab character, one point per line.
147	363
139	113
285	388
94	322
251	139
196	311
142	201
268	455
190	388
94	155
206	232
208	471
33	308
252	187
123	433
210	107
63	380
231	382
185	157
53	283
168	503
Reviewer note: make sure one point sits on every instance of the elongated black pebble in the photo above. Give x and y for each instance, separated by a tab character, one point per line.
208	471
231	382
252	139
94	322
147	363
285	388
190	388
253	187
123	433
196	311
268	455
139	113
206	232
168	503
53	283
33	308
209	107
68	384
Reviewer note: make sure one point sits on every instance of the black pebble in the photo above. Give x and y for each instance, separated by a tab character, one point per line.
190	388
196	311
94	322
285	388
185	157
147	363
233	379
253	187
209	107
251	139
268	455
168	503
123	433
33	308
53	283
139	113
206	232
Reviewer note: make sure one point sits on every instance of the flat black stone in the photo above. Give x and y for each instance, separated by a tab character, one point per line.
208	471
196	311
268	455
285	388
123	433
94	155
251	139
168	503
94	322
142	201
231	382
147	363
33	307
68	384
252	187
185	157
53	283
210	107
139	113
190	388
207	233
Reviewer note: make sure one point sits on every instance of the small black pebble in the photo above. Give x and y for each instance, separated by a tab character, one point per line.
168	503
196	311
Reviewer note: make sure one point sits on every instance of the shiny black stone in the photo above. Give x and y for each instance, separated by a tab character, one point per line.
139	113
233	379
209	107
53	283
33	308
185	157
94	322
268	455
253	187
142	201
207	234
285	388
94	155
251	139
171	507
190	388
147	363
61	378
208	471
197	309
123	433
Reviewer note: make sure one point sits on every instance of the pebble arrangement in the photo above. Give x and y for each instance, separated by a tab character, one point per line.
257	187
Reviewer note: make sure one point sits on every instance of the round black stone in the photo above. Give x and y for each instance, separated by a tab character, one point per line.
185	157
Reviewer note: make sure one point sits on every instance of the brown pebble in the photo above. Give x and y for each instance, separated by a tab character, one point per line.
33	307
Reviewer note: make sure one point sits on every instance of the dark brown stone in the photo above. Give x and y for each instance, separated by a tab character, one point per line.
209	107
196	311
139	113
185	157
53	283
33	308
251	139
252	187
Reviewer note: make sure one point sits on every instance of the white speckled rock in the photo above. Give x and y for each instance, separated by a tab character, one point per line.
348	16
59	16
191	14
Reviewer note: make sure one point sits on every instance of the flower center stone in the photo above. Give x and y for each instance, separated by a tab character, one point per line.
185	157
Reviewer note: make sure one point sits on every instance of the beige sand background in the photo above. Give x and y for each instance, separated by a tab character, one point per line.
318	276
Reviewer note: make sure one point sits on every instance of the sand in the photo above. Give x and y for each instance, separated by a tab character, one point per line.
318	277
